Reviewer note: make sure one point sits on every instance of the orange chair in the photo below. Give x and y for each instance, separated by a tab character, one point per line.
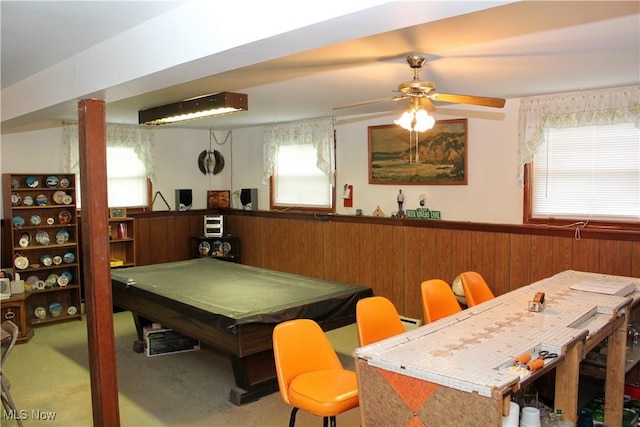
475	288
310	374
376	319
438	300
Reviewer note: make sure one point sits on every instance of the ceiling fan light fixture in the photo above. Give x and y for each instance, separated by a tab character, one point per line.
417	120
194	108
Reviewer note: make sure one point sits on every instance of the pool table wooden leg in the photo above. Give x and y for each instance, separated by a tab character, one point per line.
255	377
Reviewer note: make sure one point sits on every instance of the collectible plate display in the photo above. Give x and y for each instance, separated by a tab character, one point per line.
55	308
52	181
32	182
35	220
27	201
204	248
57	260
67	199
40	312
41	200
25	239
42	237
15	199
32	280
67	274
226	248
68	258
21	262
46	260
63	281
65	217
51	221
51	281
58	196
40	285
62	236
18	221
64	183
72	310
15	183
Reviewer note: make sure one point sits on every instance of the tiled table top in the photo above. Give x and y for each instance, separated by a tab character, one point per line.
470	351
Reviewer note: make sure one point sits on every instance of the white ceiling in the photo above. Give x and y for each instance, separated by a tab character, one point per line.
297	60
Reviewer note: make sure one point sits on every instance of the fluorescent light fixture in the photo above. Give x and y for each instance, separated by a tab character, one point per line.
195	108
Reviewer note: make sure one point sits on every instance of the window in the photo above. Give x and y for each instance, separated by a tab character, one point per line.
126	178
129	164
297	181
580	154
299	160
588	172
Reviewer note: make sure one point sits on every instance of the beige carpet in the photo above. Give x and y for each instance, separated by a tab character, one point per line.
50	380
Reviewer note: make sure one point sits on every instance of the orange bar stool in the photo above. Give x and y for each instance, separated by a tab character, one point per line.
438	300
376	319
475	288
310	374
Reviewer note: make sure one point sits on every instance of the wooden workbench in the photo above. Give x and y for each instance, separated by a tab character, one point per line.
456	371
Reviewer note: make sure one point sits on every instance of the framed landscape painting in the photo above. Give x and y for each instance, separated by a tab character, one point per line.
435	157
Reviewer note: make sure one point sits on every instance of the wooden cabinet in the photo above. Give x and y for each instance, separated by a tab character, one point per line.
14	309
41	241
122	242
226	247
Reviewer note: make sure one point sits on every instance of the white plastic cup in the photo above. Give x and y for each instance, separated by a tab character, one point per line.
530	417
511	420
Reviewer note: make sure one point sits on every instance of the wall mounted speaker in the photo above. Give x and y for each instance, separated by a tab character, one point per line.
249	199
184	200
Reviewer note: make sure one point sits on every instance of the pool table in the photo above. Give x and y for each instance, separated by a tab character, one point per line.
234	308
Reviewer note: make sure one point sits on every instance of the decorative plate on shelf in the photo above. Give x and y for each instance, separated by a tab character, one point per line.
35	220
72	310
42	237
58	196
41	200
32	182
57	260
65	217
226	248
15	199
21	262
51	221
55	308
46	260
68	275
67	199
62	236
18	221
25	239
40	285
63	281
68	258
27	201
41	313
204	248
52	181
32	280
15	183
64	183
51	281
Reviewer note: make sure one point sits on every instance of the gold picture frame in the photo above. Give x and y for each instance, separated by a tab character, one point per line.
117	213
437	157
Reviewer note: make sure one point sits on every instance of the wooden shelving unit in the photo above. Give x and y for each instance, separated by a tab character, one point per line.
122	243
41	239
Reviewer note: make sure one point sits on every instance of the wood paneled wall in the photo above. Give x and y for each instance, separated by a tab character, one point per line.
394	256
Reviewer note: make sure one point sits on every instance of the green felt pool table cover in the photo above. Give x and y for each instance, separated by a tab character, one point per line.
243	293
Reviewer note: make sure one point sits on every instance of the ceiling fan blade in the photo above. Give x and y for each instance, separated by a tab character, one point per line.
467	99
357	104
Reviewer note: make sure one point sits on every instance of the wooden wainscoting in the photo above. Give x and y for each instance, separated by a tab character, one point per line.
394	256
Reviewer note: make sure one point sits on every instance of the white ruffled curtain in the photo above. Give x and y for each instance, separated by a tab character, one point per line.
621	105
140	138
318	132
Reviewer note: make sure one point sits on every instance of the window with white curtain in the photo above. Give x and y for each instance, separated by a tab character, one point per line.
299	161
129	163
581	157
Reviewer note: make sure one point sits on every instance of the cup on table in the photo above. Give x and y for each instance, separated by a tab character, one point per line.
530	417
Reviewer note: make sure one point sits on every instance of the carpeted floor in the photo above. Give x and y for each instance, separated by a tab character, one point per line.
50	383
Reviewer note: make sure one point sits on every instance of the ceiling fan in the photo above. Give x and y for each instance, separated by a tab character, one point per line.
422	93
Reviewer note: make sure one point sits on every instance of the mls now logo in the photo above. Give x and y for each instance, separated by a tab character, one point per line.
24	415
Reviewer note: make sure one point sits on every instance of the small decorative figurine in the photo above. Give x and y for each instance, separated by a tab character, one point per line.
400	199
377	212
